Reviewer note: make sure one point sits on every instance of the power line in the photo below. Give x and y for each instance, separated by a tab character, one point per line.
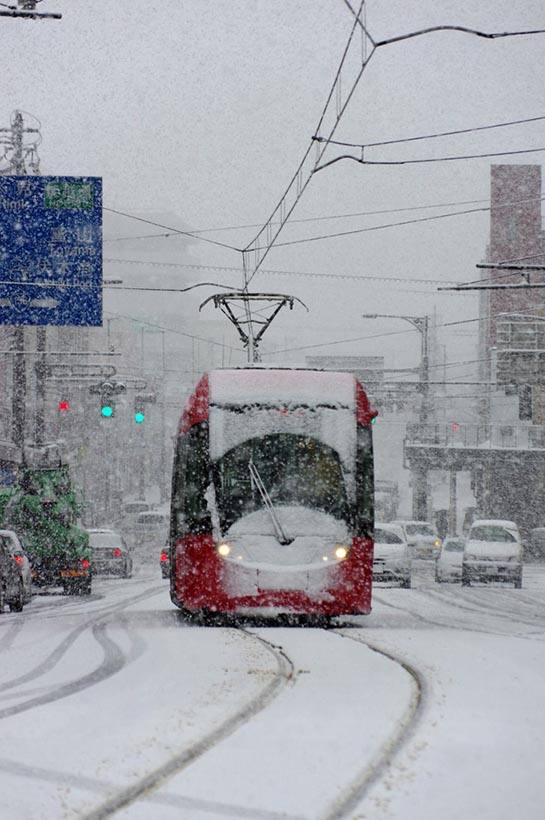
425	160
267	236
498	266
172	290
324	219
461	29
395	224
427	136
171	330
354	276
374	336
172	230
306	219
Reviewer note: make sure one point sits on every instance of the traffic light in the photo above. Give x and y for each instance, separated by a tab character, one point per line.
107	390
107	404
139	411
140	406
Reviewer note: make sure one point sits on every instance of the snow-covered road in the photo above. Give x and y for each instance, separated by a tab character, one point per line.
432	707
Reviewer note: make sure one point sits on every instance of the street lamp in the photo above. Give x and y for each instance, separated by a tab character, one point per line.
421	323
420	486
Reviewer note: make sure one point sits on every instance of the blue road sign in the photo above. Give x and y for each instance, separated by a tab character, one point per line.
51	251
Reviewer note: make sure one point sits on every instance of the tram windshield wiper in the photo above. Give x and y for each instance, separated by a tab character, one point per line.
258	481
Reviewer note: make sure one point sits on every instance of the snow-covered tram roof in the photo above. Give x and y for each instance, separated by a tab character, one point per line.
276	387
295	388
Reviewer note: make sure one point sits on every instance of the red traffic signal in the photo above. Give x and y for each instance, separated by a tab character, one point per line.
63	406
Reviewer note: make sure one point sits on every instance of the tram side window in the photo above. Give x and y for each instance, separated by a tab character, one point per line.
365	493
191	479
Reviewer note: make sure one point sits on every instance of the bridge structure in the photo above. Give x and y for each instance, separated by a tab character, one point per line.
506	463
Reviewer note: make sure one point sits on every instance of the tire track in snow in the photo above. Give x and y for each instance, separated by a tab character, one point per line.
143	786
13	630
482	607
502	599
435	622
404	733
114	660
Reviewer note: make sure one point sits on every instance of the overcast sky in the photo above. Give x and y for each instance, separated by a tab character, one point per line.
202	109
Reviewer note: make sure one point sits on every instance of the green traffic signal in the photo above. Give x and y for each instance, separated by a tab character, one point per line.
139	417
107	411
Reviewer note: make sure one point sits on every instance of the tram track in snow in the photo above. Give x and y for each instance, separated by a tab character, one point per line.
352	794
144	786
114	659
384	757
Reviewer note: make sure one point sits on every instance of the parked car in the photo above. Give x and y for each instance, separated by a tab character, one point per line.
12	582
448	566
165	562
493	552
533	547
20	555
111	555
392	558
422	538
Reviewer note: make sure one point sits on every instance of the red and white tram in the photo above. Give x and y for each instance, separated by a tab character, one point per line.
272	502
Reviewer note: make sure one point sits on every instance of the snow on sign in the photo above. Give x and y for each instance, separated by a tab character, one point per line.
51	251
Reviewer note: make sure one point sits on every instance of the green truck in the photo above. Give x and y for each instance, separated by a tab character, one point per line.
42	509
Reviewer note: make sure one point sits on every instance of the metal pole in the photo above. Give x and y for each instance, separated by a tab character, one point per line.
164	481
421	489
17	159
18	416
452	512
39	419
141	461
18	406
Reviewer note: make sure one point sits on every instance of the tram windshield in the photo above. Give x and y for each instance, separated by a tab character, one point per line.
296	471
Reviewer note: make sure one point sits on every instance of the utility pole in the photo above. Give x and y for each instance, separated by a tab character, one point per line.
421	489
19	398
420	475
41	370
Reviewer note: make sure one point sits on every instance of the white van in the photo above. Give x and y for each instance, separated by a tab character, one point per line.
151	530
493	552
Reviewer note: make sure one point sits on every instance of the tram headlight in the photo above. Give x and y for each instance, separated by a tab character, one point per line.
340	553
224	550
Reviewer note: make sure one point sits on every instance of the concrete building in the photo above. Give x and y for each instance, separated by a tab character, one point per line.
505	451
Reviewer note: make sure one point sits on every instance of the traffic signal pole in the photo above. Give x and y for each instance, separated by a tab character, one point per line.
20	336
420	486
40	368
19	397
